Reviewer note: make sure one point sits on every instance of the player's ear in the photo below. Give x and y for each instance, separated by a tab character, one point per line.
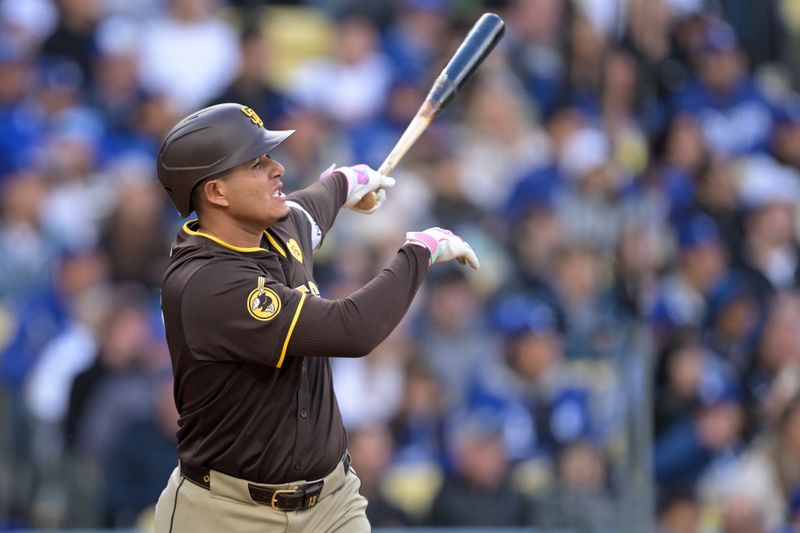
215	192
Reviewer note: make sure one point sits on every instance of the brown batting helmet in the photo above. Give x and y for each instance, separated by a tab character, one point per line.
208	142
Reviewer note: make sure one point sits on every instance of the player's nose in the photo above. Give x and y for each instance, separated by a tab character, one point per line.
277	169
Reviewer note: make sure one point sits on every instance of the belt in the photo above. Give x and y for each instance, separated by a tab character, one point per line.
303	496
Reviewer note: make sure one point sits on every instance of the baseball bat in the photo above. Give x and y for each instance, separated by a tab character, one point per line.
480	40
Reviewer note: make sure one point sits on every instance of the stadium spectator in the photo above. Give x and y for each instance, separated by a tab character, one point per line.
785	145
701	261
371	447
479	492
73	37
141	456
188	55
769	251
580	498
534	44
453	337
734	113
500	138
418	427
678	511
358	69
249	85
693	445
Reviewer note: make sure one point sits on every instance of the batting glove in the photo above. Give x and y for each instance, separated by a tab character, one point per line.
361	179
444	245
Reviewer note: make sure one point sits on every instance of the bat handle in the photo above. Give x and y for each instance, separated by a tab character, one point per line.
370	199
368	202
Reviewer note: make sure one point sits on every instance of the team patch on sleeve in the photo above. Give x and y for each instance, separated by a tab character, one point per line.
262	302
295	250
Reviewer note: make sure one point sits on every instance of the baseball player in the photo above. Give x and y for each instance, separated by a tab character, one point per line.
260	441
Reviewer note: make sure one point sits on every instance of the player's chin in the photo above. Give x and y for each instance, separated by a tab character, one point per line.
280	213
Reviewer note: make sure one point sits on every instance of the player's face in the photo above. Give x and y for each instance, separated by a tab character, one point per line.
256	194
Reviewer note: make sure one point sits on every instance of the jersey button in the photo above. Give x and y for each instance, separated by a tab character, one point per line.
297	466
304	413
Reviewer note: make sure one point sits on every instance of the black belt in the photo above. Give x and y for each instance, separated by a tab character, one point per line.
301	497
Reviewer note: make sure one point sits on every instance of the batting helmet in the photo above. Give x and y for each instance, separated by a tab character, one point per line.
208	142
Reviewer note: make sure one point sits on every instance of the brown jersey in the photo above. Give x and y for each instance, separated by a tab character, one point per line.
249	339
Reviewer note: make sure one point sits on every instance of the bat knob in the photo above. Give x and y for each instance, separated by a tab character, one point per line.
367	202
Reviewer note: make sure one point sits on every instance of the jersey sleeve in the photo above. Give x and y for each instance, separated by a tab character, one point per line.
321	202
237	312
354	326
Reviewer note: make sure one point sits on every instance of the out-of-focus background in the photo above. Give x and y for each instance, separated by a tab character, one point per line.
628	357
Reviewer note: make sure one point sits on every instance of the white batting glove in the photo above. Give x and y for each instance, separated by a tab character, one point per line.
444	245
361	179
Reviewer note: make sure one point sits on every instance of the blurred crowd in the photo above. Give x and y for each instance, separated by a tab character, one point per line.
627	171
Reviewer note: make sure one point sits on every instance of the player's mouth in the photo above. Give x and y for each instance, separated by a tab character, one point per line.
278	193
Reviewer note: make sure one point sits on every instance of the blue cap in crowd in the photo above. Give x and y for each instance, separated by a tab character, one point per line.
718	386
536	191
78	125
59	73
570	417
697	230
733	287
718	37
519	314
477	423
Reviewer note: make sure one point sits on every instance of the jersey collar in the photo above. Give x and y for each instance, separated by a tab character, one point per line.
188	228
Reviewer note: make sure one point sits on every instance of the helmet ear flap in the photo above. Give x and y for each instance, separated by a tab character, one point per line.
196	194
208	143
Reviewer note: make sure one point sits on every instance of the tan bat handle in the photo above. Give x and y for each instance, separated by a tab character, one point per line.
415	128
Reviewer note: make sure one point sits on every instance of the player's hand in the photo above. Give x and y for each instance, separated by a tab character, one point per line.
361	179
444	245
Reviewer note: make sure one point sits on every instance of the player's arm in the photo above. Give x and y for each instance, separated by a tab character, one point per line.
354	326
235	312
238	313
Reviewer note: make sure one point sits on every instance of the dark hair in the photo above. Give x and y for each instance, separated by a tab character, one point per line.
675	495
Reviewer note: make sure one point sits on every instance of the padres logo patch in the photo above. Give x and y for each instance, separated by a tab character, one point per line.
263	303
295	250
254	118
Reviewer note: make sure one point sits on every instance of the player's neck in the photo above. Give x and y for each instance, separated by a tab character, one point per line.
232	232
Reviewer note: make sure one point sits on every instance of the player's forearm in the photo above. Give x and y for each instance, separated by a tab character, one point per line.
354	326
323	199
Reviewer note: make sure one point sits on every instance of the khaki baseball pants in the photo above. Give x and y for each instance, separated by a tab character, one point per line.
185	507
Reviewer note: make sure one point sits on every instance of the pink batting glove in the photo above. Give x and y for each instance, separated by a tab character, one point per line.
444	246
361	179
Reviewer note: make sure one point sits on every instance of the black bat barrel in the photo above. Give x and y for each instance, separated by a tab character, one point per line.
481	39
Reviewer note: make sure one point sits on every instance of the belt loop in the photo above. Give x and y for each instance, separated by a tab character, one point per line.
231	487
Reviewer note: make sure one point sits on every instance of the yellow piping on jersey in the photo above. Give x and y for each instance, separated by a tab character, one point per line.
291	329
274	243
217	240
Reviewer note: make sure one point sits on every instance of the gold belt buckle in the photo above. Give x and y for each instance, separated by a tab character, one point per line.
274	501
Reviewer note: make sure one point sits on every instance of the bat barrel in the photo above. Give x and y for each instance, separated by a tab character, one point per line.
481	39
